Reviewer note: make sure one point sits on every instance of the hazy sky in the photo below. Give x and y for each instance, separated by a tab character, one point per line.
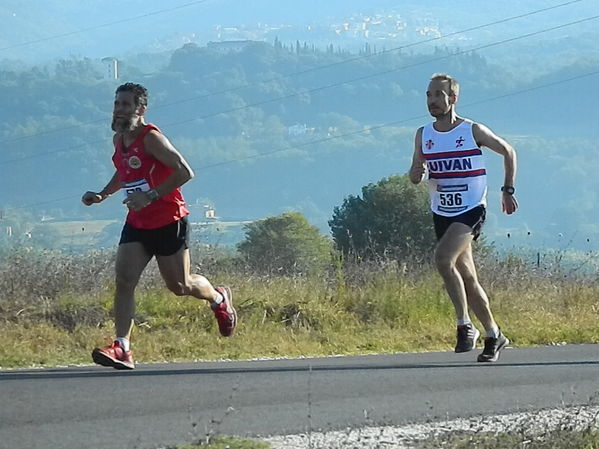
37	30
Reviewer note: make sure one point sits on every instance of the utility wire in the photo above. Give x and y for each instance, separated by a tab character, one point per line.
353	133
362	57
385	72
397	122
104	25
310	70
329	86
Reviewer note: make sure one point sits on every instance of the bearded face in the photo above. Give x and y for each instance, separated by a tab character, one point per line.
126	115
122	125
439	99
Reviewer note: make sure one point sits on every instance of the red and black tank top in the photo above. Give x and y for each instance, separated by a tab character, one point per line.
138	171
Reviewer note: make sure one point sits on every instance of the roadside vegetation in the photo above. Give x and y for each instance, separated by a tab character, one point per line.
225	443
567	434
559	439
57	307
369	289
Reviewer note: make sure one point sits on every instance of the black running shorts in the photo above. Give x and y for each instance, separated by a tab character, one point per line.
164	241
474	218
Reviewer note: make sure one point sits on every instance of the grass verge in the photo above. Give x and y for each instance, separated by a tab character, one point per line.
226	443
281	317
559	439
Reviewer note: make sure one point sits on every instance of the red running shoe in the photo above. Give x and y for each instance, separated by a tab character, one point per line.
225	313
114	356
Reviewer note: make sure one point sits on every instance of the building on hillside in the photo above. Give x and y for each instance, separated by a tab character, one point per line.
209	213
112	68
299	130
225	47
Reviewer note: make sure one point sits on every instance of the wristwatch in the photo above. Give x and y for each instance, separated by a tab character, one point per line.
508	189
152	194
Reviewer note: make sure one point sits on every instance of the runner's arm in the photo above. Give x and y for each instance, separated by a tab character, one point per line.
113	186
485	137
159	147
418	163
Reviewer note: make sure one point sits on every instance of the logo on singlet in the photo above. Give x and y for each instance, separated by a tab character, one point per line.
429	144
134	162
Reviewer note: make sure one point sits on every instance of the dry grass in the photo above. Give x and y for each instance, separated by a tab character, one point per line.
56	308
226	443
556	439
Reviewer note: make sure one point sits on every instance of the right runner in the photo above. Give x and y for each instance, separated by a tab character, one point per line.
450	148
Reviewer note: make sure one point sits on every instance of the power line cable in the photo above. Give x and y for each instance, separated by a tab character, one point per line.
42	203
313	69
329	86
385	72
437	38
104	25
353	133
48	153
359	58
397	122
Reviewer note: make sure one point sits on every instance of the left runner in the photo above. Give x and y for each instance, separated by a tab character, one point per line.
150	173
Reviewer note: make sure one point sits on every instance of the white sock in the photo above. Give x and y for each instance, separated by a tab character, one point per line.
124	342
464	322
218	298
493	332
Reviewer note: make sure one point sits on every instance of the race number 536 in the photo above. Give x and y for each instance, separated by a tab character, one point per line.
450	199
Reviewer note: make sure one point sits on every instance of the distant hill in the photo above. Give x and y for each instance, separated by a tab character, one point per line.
263	141
112	28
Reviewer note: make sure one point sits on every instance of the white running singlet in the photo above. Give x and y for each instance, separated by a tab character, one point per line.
456	169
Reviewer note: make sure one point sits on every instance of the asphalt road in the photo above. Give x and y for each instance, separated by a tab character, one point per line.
165	404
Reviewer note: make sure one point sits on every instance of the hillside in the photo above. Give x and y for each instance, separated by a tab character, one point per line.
282	125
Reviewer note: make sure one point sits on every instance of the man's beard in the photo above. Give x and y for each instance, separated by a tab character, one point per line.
438	113
122	125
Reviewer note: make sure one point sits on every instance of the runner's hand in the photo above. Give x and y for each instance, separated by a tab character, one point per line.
136	201
417	173
90	198
508	203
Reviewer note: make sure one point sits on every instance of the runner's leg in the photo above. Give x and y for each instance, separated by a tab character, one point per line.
175	270
131	259
476	297
454	242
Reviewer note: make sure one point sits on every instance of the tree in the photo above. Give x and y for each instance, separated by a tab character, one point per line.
286	245
392	219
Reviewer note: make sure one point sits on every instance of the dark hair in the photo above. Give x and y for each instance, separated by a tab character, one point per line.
140	93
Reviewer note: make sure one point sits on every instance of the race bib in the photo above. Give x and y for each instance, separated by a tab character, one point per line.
141	185
452	198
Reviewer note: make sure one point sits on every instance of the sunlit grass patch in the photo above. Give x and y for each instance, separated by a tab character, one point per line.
226	443
44	344
557	439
